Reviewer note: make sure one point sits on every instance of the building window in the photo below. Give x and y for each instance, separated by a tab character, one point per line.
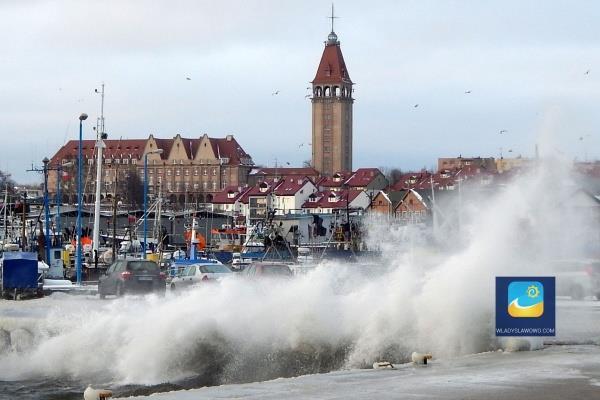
195	171
134	161
204	185
186	185
159	171
214	185
169	172
196	186
214	171
177	172
126	161
186	172
204	171
168	185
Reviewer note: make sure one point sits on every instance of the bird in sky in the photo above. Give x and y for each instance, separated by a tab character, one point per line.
416	105
275	92
587	72
188	78
510	150
300	145
503	131
308	88
580	137
308	95
467	92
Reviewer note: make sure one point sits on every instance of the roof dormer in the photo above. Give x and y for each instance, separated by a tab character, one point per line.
263	187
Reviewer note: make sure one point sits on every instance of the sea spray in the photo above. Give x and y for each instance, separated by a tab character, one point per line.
431	292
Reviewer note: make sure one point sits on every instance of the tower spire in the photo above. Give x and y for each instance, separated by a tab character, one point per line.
332	16
332	39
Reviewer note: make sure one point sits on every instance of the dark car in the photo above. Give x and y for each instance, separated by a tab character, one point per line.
132	277
268	270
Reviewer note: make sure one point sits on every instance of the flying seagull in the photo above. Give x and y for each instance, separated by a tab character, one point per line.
587	72
416	105
467	92
308	95
188	78
503	131
275	92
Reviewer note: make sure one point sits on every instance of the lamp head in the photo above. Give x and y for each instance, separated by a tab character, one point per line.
45	160
83	117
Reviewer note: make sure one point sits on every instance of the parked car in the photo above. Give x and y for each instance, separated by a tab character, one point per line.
267	270
577	278
132	276
198	273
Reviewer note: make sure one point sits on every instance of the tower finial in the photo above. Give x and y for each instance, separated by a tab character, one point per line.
332	16
332	38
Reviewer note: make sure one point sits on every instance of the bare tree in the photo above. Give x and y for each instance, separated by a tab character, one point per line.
6	182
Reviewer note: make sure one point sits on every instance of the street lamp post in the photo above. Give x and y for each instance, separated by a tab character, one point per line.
144	245
82	118
46	210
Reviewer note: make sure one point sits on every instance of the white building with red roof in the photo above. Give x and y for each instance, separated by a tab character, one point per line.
335	201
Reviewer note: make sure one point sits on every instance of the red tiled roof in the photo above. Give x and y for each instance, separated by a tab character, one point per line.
226	147
305	171
413	180
222	197
323	199
332	68
256	190
329	182
229	148
362	177
290	185
128	148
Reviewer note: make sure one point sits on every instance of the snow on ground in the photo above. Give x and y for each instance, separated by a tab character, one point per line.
555	372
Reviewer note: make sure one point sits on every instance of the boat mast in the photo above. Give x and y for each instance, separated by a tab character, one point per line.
100	135
5	208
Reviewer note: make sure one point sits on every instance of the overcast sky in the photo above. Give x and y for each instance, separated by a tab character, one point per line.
523	61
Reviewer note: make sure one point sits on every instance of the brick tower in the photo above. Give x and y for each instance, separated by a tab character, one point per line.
332	111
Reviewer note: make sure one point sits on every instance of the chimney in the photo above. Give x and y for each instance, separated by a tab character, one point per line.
229	138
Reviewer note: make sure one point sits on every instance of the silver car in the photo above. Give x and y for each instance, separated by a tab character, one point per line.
198	274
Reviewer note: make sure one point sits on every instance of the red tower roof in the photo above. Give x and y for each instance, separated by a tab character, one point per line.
332	68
